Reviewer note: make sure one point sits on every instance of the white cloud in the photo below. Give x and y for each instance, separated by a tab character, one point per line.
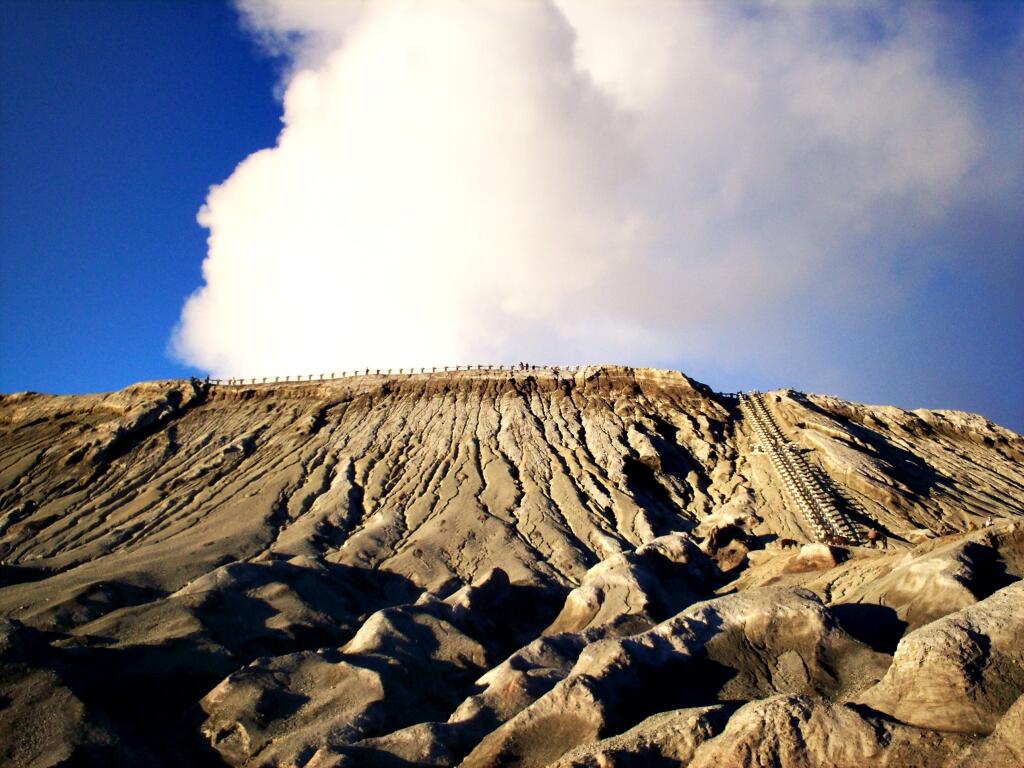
483	180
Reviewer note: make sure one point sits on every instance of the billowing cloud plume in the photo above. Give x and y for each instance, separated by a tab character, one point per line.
487	181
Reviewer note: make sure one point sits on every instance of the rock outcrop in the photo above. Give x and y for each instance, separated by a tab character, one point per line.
959	673
805	730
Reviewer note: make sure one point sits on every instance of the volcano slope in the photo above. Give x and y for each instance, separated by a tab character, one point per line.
497	568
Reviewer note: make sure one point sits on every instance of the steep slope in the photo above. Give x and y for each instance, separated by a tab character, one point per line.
203	573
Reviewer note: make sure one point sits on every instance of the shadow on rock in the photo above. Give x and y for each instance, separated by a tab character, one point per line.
877	626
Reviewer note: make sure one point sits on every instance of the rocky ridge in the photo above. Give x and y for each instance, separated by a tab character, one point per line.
598	567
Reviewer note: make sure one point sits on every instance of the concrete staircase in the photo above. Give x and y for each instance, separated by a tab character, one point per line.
810	492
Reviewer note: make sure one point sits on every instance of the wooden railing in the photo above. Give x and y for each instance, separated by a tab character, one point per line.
365	372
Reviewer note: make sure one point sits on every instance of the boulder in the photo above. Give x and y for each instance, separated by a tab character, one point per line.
809	731
960	673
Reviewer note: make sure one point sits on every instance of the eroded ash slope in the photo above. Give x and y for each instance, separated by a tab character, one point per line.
500	568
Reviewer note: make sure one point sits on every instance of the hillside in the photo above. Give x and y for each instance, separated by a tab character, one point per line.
604	566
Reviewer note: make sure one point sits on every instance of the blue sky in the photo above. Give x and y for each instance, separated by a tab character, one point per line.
116	118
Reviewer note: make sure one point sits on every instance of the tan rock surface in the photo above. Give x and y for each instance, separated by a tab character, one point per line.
960	673
744	646
1004	746
665	738
807	731
495	567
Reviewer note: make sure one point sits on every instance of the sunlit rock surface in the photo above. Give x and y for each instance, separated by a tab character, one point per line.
595	568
